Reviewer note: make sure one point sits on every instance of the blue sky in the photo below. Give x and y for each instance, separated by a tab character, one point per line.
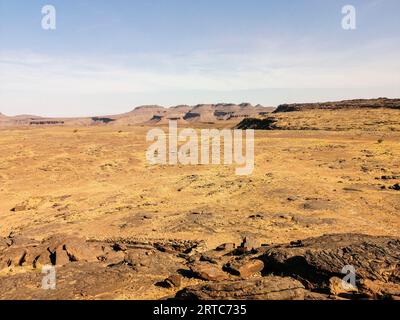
108	56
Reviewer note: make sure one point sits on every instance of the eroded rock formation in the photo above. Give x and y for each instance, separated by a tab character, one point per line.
123	268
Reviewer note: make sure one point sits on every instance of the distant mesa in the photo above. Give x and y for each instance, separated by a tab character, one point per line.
152	115
200	114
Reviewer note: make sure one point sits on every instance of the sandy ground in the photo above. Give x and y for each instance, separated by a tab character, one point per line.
95	182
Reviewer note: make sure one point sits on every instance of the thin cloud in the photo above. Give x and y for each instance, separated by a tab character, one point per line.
35	76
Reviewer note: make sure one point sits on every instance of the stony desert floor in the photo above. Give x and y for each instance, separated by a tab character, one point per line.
95	183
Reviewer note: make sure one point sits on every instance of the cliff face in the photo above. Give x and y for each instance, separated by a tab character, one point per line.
345	104
381	115
219	113
201	113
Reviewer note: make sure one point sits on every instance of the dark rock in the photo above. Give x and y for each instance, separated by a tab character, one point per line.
337	105
209	258
256	216
395	187
245	268
207	271
257	124
267	288
297	243
309	295
173	281
79	280
317	260
119	247
393	177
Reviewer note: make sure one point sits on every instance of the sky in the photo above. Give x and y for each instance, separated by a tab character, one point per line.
106	57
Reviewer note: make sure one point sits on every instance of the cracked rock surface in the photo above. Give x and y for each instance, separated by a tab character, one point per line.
309	269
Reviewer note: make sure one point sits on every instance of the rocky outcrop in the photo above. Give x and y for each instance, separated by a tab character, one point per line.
244	268
84	269
346	104
208	271
315	261
56	250
267	288
310	269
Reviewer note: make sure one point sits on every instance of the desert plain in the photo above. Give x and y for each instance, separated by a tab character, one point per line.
318	172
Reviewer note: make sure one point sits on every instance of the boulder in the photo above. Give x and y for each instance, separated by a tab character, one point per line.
62	257
244	268
173	281
33	253
376	289
316	260
248	244
78	250
267	288
14	257
43	260
208	271
336	287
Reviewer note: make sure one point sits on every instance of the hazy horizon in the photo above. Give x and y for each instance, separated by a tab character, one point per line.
171	106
